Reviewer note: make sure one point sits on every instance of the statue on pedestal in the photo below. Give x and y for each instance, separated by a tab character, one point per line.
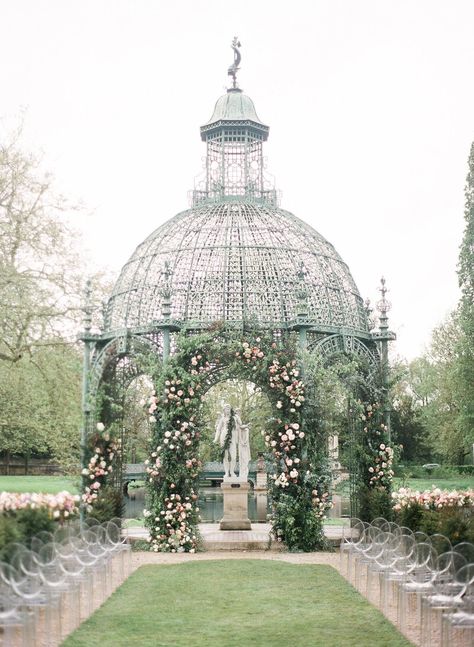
232	434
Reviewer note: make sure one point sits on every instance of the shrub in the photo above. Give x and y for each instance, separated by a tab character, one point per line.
468	470
31	521
108	506
9	532
374	502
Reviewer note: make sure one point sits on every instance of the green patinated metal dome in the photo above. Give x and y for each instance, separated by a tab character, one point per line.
236	261
235	256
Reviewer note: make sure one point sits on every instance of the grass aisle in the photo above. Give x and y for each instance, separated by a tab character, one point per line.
230	603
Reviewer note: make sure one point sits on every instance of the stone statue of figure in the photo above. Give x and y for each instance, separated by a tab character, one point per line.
239	438
243	442
230	454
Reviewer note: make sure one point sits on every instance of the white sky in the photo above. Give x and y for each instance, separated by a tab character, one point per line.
370	105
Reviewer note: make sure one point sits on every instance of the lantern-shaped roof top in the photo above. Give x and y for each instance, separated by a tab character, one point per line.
234	106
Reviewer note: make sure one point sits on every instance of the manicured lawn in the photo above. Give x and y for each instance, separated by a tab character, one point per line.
459	482
454	483
46	484
231	603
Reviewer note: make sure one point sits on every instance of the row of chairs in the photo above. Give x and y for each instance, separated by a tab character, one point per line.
422	582
50	587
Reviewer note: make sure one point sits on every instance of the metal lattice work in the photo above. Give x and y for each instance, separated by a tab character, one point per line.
235	256
236	262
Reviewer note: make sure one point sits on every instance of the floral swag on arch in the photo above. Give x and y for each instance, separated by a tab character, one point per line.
298	489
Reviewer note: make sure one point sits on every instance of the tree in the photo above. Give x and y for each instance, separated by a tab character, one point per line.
465	346
409	430
41	287
40	414
40	281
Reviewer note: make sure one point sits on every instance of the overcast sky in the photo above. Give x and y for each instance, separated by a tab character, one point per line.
370	105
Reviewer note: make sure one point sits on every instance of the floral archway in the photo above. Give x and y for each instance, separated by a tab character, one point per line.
295	437
298	485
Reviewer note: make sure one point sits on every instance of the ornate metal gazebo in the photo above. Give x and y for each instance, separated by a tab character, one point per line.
234	257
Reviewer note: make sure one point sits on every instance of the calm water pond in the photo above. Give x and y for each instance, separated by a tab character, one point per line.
211	505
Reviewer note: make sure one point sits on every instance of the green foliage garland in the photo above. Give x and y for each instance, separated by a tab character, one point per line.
228	436
374	456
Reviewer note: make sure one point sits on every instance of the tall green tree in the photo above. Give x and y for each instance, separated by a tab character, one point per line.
465	366
41	284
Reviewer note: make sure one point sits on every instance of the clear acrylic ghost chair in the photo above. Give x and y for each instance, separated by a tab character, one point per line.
91	565
9	575
116	566
15	622
393	577
382	564
418	580
103	550
76	576
92	553
443	598
458	627
125	546
34	599
440	543
351	534
40	539
365	555
466	549
59	586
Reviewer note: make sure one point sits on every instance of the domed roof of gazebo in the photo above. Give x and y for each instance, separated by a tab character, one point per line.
235	256
236	262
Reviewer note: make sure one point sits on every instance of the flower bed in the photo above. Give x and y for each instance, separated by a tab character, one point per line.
434	499
449	513
59	506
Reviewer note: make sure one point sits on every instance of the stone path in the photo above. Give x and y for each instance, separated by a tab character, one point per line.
258	538
140	559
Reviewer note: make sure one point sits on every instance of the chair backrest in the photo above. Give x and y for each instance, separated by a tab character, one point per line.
447	565
392	527
422	563
29	563
113	533
51	572
440	543
358	533
406	531
465	575
466	549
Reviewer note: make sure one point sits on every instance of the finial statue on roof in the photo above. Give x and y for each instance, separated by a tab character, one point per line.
234	68
383	305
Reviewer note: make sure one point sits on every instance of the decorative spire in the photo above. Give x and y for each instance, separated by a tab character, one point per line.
383	306
234	68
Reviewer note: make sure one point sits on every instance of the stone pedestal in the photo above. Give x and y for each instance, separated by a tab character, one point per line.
236	515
